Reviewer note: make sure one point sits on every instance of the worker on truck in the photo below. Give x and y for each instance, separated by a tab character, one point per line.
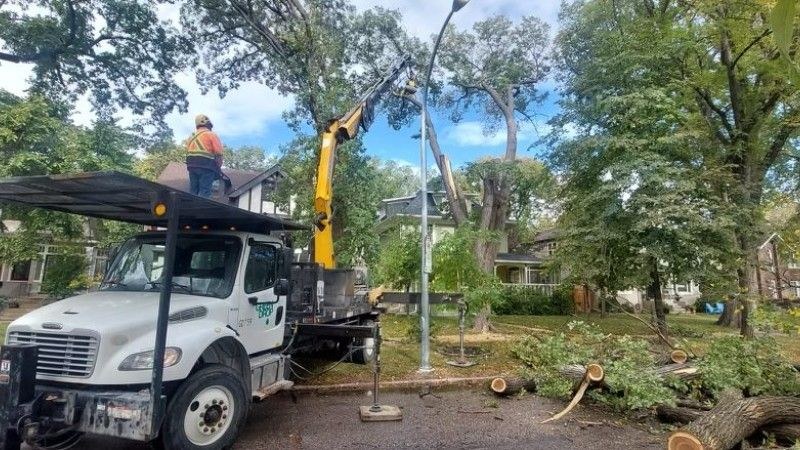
203	157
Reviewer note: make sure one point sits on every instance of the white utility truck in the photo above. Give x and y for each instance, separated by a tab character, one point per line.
215	298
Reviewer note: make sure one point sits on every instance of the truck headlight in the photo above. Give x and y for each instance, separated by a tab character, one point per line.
144	360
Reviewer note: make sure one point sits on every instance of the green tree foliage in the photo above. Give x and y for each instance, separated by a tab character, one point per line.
157	157
622	357
753	366
65	275
300	48
360	183
454	265
398	263
701	83
532	195
248	158
36	138
115	50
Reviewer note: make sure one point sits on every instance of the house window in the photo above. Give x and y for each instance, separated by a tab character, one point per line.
551	248
683	288
795	288
21	271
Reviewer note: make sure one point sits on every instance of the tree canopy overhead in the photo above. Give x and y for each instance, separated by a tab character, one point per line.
116	51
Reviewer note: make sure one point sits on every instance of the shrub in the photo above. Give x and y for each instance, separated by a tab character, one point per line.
528	300
65	275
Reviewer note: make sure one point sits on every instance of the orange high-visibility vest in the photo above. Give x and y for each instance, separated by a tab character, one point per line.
204	143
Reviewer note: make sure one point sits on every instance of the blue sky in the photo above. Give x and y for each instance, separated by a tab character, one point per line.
463	142
251	115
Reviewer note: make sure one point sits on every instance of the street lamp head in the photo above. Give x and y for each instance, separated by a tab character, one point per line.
458	4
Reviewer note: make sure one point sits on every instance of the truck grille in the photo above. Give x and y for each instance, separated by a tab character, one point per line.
60	355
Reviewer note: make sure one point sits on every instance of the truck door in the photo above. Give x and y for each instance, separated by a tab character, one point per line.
261	313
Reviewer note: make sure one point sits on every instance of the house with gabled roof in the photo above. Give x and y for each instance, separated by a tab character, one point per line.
253	190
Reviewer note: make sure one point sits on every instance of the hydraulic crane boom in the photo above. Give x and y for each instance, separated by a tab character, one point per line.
338	131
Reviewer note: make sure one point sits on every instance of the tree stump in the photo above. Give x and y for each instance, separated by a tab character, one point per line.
729	423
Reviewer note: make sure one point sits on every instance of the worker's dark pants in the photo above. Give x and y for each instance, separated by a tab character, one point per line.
201	180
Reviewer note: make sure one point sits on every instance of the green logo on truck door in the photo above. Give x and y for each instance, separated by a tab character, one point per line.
264	310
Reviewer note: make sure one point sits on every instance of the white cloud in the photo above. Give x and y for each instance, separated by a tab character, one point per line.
15	77
471	133
243	111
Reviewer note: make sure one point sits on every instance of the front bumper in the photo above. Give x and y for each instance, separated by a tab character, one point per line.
36	412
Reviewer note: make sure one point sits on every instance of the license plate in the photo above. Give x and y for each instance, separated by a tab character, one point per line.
5	370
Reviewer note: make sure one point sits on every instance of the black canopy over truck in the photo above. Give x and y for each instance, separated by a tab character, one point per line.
213	294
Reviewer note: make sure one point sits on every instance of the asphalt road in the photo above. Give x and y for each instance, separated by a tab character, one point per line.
452	419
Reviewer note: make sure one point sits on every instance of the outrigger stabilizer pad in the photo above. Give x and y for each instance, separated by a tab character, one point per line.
462	363
380	413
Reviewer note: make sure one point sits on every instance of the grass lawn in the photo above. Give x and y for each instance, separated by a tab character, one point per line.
400	352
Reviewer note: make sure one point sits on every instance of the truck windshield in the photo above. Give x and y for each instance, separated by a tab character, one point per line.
204	265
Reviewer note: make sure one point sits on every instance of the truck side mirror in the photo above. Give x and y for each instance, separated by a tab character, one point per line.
281	287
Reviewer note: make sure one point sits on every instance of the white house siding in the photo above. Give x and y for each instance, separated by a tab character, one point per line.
677	296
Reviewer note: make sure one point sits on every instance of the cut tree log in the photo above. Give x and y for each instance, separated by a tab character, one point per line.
510	386
678	356
577	372
684	371
593	373
729	423
673	356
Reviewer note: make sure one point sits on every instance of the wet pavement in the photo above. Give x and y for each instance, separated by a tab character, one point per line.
450	419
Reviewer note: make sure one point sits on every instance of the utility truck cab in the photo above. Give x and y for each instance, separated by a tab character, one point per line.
219	303
223	286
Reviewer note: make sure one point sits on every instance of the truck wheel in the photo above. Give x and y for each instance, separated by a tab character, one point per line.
206	411
364	355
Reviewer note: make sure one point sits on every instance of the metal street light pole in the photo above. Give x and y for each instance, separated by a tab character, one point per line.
424	305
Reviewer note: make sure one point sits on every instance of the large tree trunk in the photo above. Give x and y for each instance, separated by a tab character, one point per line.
747	301
729	317
731	422
656	295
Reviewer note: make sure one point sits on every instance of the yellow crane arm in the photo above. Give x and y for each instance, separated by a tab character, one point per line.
323	230
338	131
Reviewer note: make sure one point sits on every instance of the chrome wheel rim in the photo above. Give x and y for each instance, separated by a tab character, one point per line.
209	415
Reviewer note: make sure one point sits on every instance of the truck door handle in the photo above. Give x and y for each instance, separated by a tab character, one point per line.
254	301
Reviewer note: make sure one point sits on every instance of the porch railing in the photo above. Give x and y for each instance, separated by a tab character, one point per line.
545	288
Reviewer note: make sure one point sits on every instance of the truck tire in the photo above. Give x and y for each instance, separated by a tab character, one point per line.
206	412
365	354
